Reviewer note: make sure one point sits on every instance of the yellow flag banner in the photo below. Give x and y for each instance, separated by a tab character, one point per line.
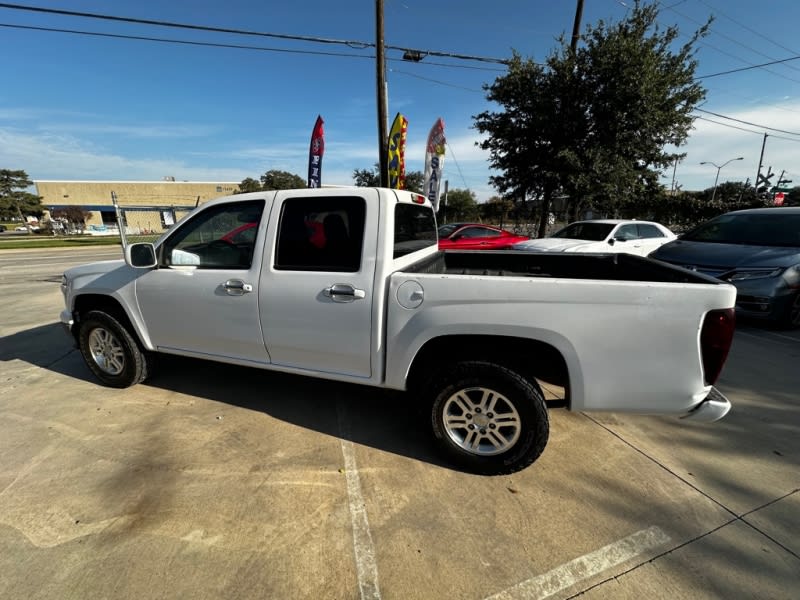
397	150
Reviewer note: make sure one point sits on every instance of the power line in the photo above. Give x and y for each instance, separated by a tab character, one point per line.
747	122
748	28
305	38
458	167
460	87
767	64
184	42
759	133
726	36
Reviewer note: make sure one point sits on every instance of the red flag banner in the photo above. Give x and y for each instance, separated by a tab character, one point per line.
434	163
397	151
315	153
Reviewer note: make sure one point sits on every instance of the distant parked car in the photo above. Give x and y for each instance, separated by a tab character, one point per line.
476	236
20	228
757	250
603	235
2	228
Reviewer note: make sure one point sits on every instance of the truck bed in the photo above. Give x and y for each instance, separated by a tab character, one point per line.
612	266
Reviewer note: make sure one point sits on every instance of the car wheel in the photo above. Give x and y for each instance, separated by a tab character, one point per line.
111	352
488	418
791	319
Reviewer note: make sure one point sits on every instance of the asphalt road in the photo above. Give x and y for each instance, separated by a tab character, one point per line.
212	481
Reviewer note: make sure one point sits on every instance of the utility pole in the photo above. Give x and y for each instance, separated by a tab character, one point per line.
380	66
576	26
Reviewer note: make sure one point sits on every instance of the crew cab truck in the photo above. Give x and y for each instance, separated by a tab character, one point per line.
348	284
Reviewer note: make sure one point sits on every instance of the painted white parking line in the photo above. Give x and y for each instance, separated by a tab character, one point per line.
366	566
586	566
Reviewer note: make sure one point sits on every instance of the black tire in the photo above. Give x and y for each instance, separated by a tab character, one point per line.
791	318
487	418
111	352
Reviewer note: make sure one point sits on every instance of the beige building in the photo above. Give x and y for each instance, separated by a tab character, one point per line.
148	206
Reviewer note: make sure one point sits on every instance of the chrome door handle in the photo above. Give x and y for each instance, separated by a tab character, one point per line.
237	287
343	292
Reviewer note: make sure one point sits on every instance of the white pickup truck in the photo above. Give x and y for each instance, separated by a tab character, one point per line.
348	284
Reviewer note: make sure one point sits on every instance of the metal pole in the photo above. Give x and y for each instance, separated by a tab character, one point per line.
380	66
444	211
120	221
576	26
674	170
760	161
716	179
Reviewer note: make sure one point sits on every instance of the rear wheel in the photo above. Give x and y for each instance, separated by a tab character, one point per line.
111	352
488	418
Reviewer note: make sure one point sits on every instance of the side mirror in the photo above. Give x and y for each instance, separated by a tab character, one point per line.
611	242
141	256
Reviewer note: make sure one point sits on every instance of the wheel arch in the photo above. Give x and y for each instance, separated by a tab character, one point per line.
86	303
530	358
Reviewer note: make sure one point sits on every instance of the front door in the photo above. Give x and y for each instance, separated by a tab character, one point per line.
202	299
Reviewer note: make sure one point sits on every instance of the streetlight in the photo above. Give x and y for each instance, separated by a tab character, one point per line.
719	168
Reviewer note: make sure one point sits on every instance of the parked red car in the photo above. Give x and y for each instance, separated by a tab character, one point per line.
475	236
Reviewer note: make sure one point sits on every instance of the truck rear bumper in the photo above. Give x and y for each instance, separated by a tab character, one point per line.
712	408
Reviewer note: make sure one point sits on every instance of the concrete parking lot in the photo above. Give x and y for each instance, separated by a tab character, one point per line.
213	481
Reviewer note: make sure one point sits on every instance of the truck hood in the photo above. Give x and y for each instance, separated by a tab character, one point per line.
95	268
713	258
560	245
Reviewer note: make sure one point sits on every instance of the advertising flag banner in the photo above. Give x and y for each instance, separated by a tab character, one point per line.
397	151
315	153
434	163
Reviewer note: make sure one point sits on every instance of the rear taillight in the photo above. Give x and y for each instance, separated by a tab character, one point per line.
715	341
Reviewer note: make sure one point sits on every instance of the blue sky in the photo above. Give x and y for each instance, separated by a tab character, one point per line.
86	107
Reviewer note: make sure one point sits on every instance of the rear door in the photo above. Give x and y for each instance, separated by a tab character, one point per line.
316	290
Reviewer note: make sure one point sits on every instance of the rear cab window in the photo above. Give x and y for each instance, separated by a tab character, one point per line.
414	228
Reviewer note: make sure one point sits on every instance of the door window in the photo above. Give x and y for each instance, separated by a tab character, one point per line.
650	231
626	232
321	234
222	237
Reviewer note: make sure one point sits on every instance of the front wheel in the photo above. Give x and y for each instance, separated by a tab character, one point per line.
111	352
488	418
791	318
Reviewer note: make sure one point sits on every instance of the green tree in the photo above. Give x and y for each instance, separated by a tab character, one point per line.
14	201
281	180
496	210
461	206
249	185
72	214
371	178
594	124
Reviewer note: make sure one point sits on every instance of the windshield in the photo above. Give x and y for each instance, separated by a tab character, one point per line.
755	229
594	232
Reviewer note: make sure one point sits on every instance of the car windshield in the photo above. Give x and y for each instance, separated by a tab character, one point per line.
755	229
594	232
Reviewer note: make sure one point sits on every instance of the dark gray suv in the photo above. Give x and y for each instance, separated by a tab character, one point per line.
757	250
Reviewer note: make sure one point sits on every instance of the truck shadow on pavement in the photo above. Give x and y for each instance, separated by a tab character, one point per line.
386	420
